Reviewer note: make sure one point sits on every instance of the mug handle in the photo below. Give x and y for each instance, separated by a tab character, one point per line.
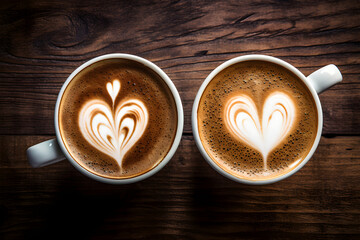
44	153
325	77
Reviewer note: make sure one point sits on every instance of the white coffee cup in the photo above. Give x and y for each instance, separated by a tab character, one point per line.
54	150
316	82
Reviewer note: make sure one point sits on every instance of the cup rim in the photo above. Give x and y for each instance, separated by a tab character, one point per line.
179	108
265	58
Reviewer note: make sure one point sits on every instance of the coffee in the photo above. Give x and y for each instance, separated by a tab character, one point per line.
117	118
257	120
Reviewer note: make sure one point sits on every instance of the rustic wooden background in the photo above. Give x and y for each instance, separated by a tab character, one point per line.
42	42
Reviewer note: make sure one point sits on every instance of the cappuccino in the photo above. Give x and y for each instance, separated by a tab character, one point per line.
257	120
117	118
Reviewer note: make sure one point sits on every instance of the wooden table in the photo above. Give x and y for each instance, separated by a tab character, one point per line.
42	42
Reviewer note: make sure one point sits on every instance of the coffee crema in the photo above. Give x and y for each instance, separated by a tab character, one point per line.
257	120
118	118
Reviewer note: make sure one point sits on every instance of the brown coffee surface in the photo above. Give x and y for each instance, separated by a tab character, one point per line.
137	82
256	79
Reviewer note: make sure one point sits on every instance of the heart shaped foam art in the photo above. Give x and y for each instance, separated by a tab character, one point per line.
113	131
243	121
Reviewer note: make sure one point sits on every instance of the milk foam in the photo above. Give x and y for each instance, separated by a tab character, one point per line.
113	130
242	119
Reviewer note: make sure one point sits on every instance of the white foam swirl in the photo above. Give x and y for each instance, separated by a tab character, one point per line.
113	131
242	119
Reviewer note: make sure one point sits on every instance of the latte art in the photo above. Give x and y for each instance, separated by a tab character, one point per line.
113	130
257	120
118	119
243	121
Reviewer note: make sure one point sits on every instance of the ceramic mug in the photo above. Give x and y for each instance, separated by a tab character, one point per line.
316	83
54	150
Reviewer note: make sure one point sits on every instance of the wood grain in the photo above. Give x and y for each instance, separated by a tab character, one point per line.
43	41
185	200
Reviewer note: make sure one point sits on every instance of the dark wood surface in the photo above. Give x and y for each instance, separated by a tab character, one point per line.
42	42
